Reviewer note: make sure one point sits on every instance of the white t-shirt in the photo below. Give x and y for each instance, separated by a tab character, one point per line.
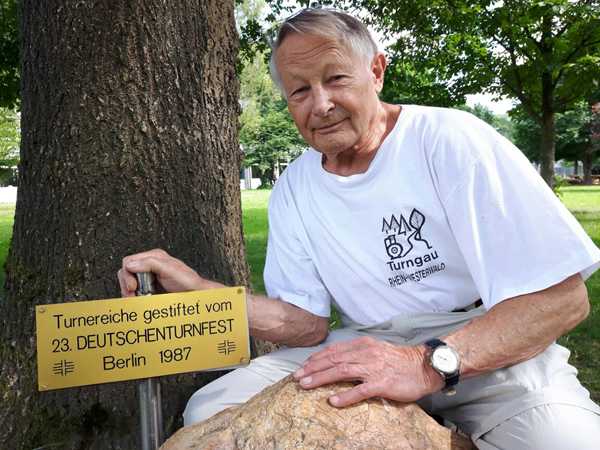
449	211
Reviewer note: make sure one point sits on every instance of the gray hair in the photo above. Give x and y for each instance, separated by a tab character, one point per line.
329	23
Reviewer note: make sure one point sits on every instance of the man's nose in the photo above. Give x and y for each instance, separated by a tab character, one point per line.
323	104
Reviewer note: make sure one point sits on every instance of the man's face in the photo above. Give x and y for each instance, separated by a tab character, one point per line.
332	93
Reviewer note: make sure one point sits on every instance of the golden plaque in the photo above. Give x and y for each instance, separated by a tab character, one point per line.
103	341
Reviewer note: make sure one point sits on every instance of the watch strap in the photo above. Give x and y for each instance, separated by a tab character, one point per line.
434	343
452	380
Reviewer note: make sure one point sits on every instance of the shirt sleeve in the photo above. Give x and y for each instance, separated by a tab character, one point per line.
290	273
514	233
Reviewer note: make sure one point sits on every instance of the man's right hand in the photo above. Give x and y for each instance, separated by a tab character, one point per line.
172	274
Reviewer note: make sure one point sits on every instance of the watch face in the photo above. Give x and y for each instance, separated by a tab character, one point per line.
445	360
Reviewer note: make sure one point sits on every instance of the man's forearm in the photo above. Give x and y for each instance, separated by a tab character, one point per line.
283	323
518	329
280	322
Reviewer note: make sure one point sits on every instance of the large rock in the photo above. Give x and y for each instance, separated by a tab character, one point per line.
284	416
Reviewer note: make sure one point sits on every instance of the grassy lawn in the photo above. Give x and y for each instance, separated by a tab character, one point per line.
254	215
583	201
7	213
584	341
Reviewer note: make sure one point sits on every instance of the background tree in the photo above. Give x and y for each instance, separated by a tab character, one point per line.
501	123
9	91
129	142
267	134
545	53
9	54
573	137
251	17
574	140
269	138
591	154
526	135
10	137
407	84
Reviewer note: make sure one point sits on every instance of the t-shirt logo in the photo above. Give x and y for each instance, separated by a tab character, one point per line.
402	232
403	237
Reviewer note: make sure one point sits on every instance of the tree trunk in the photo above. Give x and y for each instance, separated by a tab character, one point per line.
547	143
593	146
548	148
129	142
575	167
266	178
588	160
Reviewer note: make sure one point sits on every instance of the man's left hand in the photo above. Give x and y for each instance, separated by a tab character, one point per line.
383	370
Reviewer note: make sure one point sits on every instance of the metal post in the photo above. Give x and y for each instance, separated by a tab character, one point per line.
151	423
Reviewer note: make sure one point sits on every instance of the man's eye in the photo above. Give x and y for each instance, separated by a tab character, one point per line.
337	77
299	90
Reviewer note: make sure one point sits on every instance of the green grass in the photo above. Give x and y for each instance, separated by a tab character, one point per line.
254	215
584	199
7	213
584	341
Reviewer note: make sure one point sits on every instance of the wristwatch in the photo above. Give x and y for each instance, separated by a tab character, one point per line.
445	361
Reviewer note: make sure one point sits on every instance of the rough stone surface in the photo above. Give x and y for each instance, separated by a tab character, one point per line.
284	416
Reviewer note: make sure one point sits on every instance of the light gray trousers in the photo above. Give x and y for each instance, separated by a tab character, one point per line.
537	404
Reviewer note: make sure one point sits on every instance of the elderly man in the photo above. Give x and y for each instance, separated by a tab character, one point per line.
453	265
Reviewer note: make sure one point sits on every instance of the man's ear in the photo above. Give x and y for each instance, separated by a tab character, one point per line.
378	66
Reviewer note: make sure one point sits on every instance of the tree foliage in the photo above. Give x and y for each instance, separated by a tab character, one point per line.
504	47
595	128
252	19
545	53
406	84
574	133
10	137
268	134
501	123
9	54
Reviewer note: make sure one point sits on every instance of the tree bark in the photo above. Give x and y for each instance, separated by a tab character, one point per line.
548	148
588	159
593	147
547	143
129	142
